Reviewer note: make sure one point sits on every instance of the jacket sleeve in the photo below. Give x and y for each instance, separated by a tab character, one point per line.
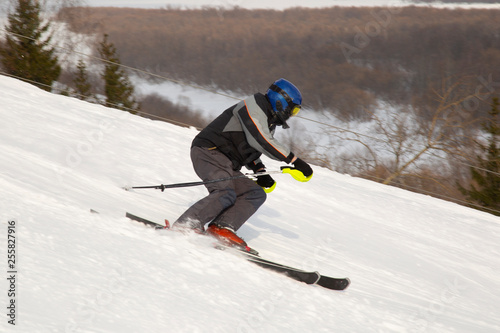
255	126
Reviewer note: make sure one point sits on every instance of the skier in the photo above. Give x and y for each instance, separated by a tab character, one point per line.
234	139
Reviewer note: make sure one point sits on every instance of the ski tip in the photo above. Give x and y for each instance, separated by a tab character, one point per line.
348	283
334	283
167	224
344	284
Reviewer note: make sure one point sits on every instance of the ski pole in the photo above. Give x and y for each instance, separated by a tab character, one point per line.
162	187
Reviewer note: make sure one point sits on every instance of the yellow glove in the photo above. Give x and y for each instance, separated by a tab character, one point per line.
266	182
301	171
269	189
296	174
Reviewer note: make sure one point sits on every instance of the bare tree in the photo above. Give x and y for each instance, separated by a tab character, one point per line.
451	129
400	141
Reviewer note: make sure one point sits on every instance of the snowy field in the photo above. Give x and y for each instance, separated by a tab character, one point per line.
417	264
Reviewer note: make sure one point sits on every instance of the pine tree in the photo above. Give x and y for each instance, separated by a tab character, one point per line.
117	87
485	189
25	54
82	85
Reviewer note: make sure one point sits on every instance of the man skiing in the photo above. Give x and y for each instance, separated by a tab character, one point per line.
236	138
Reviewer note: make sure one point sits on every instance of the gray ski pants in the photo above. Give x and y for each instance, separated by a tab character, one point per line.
229	203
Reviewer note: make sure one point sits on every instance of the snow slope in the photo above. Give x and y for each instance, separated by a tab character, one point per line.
417	264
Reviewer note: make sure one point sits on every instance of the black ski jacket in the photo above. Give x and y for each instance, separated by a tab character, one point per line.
243	132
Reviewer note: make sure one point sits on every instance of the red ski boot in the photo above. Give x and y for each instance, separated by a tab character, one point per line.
229	238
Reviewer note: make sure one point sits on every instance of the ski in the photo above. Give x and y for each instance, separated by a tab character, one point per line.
148	222
299	274
313	278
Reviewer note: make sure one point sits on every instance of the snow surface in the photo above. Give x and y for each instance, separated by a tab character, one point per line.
417	264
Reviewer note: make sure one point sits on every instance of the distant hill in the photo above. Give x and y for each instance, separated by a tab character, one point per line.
342	58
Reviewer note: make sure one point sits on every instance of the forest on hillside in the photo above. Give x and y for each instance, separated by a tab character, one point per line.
343	59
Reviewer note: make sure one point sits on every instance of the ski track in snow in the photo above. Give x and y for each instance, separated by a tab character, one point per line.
417	264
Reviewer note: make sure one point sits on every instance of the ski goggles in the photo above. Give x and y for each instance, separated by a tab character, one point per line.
295	110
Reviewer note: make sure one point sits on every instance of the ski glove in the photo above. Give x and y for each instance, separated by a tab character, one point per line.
301	170
266	182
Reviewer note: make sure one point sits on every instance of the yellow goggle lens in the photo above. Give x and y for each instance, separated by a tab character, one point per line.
295	110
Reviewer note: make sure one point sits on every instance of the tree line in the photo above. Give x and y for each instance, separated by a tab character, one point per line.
27	53
343	59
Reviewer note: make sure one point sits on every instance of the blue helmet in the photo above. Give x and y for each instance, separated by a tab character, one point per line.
285	99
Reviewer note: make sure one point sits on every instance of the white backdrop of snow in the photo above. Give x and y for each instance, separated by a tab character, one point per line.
417	264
